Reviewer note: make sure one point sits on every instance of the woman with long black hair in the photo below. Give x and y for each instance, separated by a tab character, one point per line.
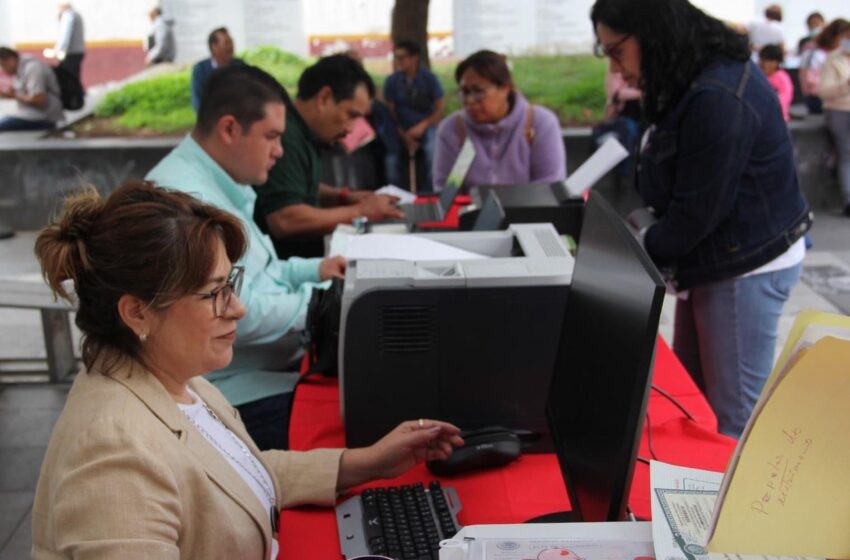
717	171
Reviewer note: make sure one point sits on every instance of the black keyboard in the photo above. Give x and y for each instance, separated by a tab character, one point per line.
423	212
402	522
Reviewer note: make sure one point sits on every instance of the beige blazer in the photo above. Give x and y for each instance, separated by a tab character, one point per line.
127	476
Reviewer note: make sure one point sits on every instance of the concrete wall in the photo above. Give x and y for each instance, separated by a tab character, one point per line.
37	174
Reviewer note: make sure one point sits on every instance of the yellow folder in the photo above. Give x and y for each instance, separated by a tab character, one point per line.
787	488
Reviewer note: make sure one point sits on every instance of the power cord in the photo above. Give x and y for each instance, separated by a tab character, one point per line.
678	405
649	437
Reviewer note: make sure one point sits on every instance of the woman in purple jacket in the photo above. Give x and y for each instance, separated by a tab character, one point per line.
515	142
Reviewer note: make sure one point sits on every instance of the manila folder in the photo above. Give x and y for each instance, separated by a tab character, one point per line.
790	491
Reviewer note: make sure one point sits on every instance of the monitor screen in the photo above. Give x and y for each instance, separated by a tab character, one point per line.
603	371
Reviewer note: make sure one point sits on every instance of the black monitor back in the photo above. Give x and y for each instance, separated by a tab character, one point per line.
603	372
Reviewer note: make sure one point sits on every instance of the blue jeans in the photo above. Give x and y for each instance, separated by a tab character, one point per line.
8	124
839	124
725	335
428	147
425	163
392	169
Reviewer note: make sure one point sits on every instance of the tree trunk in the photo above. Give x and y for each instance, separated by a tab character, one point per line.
410	23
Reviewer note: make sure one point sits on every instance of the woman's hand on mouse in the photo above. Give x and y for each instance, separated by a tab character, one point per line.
410	443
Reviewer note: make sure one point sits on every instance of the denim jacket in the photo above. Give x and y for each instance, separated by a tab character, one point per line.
718	171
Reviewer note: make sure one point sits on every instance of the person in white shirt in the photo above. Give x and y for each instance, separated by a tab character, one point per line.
70	45
834	89
768	31
160	44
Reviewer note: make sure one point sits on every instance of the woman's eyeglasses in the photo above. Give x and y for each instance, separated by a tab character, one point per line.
222	295
611	51
473	93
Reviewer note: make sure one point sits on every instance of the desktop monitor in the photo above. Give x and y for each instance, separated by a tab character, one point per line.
603	372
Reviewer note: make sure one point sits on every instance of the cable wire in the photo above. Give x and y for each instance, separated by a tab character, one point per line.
674	401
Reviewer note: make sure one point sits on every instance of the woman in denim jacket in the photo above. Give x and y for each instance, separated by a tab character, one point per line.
717	171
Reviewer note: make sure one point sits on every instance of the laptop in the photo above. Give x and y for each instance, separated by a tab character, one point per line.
437	210
434	211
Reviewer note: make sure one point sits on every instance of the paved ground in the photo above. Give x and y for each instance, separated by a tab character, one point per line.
28	411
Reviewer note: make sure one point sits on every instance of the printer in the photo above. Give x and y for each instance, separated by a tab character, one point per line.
471	341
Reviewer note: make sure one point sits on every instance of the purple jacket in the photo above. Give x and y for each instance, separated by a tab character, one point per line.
503	154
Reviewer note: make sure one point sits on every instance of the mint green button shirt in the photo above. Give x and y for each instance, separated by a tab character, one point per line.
275	292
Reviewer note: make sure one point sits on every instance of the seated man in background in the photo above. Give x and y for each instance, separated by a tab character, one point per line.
415	98
235	142
36	90
293	206
221	54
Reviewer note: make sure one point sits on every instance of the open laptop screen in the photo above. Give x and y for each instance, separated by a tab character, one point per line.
447	197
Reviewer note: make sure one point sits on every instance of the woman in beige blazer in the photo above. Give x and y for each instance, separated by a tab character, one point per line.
129	472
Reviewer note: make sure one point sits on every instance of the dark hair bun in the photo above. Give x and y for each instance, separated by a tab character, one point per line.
61	247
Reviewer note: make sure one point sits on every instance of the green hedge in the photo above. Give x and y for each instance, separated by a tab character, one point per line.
162	103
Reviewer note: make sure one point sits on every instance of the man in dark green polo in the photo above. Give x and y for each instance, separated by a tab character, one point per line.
294	207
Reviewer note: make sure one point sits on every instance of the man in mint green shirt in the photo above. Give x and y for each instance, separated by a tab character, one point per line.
234	144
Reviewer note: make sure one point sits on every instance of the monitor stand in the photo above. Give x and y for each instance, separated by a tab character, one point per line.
556	517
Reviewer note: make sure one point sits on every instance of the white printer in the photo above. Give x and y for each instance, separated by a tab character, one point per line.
470	341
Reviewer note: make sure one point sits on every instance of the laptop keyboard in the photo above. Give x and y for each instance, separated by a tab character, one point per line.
404	522
425	212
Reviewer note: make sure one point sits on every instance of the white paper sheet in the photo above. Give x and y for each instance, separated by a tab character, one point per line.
404	197
551	541
404	247
603	160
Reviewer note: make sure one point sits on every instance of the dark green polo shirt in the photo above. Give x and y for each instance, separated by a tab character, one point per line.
294	179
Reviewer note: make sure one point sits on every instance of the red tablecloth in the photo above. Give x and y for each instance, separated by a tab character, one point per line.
527	488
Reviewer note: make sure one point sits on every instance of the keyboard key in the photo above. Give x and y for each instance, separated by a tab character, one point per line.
407	522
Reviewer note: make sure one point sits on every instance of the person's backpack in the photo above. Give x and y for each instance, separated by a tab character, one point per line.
322	329
71	91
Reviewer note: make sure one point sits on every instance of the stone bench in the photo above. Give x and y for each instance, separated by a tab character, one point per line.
55	324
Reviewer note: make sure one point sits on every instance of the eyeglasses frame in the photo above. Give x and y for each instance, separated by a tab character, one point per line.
601	51
233	283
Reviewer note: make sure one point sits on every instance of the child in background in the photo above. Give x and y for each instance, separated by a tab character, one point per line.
770	61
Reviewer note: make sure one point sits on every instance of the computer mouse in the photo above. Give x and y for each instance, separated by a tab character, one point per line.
485	448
